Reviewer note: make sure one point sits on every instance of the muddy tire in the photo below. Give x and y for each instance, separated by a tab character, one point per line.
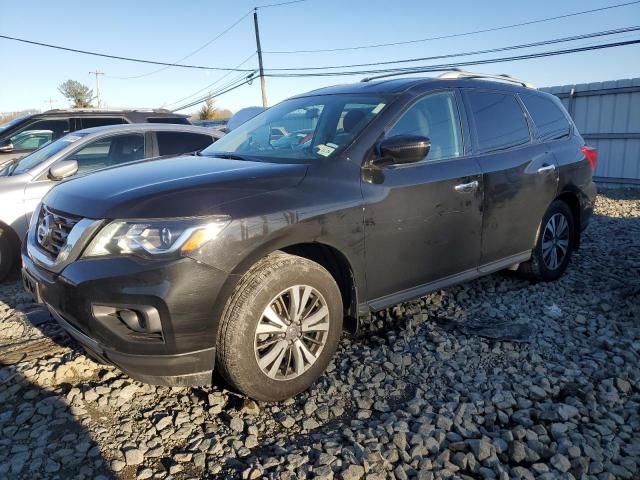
280	328
556	242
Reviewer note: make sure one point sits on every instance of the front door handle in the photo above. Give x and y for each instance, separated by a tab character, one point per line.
547	169
466	187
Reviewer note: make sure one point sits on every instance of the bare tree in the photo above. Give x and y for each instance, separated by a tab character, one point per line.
208	110
78	94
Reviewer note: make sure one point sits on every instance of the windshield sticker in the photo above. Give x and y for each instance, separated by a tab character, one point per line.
325	150
379	107
332	145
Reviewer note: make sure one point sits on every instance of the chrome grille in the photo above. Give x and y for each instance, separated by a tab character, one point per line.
53	229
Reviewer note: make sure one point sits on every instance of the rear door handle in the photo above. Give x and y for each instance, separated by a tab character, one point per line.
547	169
466	187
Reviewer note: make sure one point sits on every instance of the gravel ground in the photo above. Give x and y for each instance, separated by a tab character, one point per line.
425	391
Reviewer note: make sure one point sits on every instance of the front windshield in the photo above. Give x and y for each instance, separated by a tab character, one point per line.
34	159
11	123
304	129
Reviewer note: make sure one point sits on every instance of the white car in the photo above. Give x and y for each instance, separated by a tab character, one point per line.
24	181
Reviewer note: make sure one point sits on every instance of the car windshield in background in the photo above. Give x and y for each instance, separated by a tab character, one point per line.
305	128
34	159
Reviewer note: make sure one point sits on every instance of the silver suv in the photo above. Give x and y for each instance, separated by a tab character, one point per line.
24	181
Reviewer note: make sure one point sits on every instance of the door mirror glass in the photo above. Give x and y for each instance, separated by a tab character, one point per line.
401	149
62	170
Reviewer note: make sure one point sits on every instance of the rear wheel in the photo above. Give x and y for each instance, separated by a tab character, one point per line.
280	328
555	244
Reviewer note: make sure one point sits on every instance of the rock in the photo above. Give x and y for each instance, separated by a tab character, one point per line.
117	465
236	424
480	448
353	472
128	392
560	462
133	456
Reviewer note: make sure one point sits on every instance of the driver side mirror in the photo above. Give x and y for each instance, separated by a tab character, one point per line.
6	147
62	170
402	149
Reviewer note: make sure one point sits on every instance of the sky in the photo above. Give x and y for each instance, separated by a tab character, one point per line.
167	30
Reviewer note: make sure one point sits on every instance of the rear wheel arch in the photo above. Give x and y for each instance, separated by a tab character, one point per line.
573	202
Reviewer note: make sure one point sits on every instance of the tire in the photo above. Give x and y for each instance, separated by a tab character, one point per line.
7	255
262	299
541	266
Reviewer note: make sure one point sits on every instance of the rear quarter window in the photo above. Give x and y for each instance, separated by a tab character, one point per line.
498	119
549	119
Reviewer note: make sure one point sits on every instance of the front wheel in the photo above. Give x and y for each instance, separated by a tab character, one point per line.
556	242
280	328
8	255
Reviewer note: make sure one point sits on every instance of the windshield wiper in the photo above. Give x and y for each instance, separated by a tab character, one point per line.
228	156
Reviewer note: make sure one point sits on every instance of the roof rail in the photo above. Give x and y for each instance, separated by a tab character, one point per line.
110	110
459	73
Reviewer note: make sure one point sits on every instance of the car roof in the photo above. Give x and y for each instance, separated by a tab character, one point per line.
414	84
151	112
149	127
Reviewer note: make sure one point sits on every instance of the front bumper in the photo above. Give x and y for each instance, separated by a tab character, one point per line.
183	292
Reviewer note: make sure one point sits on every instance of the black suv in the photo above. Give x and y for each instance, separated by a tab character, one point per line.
25	134
251	255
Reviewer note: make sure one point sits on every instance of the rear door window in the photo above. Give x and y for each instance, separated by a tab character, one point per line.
175	120
110	151
91	122
499	121
550	121
177	143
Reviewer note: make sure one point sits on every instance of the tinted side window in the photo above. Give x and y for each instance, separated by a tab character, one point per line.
176	143
550	121
436	117
178	120
499	120
51	129
100	122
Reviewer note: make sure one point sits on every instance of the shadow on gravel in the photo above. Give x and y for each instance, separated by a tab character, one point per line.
41	438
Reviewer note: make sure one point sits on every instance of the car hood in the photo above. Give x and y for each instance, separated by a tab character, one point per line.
175	187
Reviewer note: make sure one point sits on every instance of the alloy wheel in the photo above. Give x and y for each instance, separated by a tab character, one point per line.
555	241
292	332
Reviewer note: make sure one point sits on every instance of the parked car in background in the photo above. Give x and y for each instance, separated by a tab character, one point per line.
217	123
25	134
24	181
249	258
241	116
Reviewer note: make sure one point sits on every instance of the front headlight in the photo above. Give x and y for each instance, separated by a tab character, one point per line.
154	238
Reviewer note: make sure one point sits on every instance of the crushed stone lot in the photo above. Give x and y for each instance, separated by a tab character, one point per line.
428	389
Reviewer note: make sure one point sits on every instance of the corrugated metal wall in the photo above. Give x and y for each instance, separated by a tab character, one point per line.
607	115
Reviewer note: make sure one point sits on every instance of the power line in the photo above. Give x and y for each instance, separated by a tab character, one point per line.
191	54
117	57
440	67
475	52
218	80
280	4
191	104
454	35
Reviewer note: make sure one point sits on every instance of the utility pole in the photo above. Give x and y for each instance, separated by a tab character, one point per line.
50	101
262	82
97	73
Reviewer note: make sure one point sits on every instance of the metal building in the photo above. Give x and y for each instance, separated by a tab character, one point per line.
607	115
